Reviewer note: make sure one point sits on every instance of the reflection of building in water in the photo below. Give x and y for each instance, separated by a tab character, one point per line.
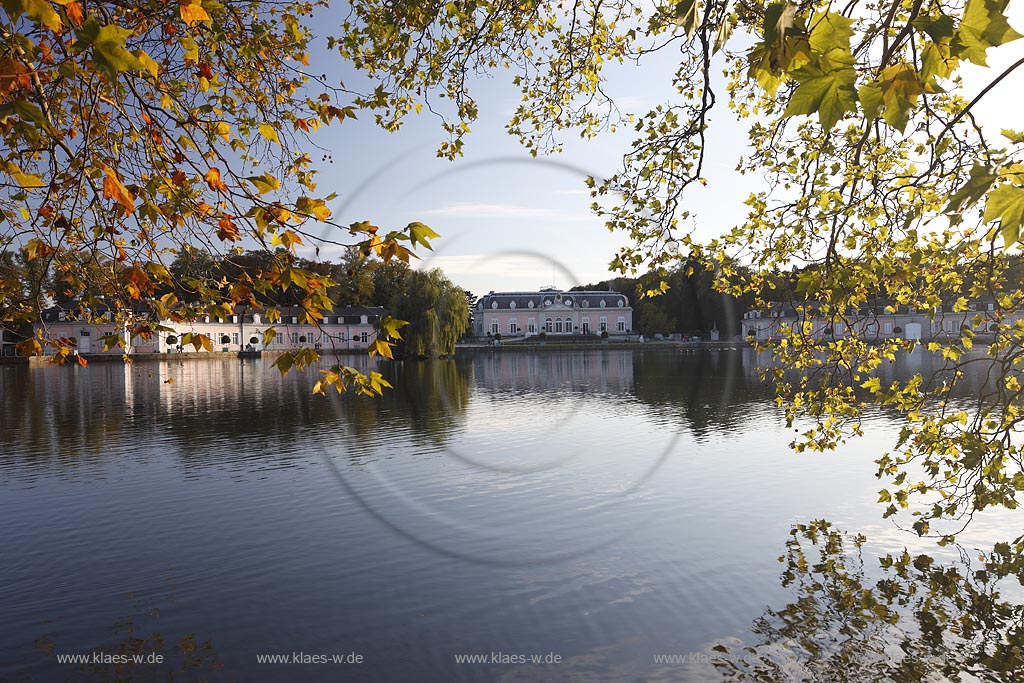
525	314
874	322
604	371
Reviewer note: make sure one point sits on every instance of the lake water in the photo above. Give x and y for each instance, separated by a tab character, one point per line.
605	507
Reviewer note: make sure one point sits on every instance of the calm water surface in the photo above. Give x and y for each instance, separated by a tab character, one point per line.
606	507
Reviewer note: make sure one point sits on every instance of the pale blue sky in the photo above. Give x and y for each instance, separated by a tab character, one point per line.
509	221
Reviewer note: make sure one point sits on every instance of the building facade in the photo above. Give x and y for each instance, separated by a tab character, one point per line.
902	322
342	329
552	311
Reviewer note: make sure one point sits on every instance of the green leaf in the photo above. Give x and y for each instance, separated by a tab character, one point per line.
1006	205
284	362
1012	135
973	190
109	53
900	88
984	25
826	88
830	32
937	28
421	234
265	183
39	10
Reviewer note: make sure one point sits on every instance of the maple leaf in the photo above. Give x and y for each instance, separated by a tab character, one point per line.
227	230
113	189
212	179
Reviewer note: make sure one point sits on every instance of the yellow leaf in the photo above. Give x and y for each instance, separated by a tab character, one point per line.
268	131
25	180
149	63
193	11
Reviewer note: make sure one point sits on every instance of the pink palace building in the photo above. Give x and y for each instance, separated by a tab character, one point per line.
550	310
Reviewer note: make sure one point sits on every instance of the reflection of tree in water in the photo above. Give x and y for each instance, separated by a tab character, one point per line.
185	657
701	388
431	396
921	620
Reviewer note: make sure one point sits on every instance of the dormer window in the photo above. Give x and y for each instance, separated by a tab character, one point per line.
622	302
512	304
295	320
603	303
531	303
256	318
62	316
494	304
586	304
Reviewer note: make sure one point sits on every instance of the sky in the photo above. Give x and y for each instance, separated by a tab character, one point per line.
511	222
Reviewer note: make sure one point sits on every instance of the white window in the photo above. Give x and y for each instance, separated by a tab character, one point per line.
363	337
548	325
295	337
531	326
620	324
585	326
280	337
494	326
513	326
234	337
558	324
604	323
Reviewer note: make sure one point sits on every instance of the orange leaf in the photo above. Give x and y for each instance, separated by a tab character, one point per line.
227	230
113	189
212	179
82	361
74	11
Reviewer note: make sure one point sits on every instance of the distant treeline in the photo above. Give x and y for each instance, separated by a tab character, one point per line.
689	305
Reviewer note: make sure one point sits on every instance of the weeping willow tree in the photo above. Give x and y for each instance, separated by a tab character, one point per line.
436	311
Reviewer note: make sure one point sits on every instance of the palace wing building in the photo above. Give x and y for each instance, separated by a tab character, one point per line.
553	311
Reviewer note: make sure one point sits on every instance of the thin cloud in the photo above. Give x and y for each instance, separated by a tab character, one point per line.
480	210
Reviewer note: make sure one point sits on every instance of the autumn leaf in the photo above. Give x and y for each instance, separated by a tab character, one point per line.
113	189
74	12
268	131
212	179
27	181
227	230
193	11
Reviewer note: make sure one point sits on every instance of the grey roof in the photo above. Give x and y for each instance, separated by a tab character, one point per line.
350	314
578	299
